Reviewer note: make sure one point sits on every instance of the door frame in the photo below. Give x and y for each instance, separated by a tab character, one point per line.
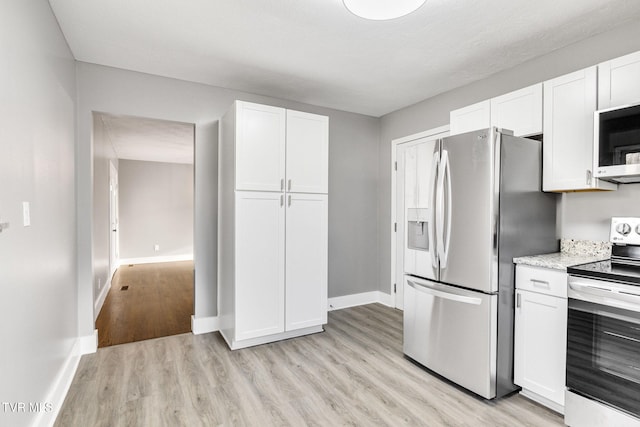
397	230
114	246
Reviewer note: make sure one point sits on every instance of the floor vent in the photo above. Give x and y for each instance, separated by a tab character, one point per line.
124	288
130	265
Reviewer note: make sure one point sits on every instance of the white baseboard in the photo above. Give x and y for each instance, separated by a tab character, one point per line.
353	300
543	401
385	299
97	306
89	343
204	325
154	259
60	387
236	345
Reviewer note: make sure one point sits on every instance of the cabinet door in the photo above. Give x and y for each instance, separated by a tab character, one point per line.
619	81
260	147
306	261
473	117
569	104
540	344
307	152
260	256
519	111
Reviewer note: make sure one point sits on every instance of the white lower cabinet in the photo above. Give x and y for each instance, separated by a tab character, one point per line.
277	286
541	335
260	261
306	261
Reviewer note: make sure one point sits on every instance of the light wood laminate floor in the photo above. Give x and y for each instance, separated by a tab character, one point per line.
158	302
354	374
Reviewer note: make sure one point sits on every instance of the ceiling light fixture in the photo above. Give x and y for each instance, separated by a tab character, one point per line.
381	10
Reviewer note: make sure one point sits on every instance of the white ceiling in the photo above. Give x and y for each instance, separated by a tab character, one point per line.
137	138
315	51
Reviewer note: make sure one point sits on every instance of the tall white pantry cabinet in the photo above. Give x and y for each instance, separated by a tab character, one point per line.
272	224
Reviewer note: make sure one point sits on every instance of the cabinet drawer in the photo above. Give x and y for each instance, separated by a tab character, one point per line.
542	280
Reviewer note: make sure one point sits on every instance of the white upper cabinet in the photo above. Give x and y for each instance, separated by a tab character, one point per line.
619	81
307	152
519	111
281	150
260	147
470	118
569	104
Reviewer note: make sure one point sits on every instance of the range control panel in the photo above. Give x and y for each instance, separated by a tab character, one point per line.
625	230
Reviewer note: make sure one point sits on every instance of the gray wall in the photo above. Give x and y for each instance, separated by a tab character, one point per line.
155	207
587	215
353	175
582	215
103	155
37	263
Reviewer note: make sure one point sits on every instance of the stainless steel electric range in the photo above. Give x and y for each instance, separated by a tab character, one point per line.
603	336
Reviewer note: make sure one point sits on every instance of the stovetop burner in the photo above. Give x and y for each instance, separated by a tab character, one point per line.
624	265
608	270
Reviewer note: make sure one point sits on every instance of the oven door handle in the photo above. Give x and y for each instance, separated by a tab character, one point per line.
609	296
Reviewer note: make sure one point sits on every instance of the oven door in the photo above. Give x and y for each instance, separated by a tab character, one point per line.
603	342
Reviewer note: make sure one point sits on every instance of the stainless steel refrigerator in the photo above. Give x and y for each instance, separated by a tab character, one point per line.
484	207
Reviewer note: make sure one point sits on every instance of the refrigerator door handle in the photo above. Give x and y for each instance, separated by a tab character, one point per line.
449	206
443	242
439	214
435	164
445	295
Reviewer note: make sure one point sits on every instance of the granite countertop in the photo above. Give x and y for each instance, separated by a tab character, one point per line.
572	252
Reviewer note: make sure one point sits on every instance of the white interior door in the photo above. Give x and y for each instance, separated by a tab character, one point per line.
400	226
418	229
412	159
114	254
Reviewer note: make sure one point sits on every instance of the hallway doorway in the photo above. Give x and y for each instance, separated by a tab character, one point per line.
144	199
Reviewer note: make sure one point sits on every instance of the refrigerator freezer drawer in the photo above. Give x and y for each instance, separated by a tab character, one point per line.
453	332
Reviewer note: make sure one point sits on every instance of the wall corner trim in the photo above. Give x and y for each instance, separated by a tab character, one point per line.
89	343
204	325
97	306
346	301
60	387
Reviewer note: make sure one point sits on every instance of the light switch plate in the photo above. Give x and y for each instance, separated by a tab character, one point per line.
26	214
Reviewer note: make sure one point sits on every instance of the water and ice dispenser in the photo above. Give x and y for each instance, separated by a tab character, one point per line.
418	229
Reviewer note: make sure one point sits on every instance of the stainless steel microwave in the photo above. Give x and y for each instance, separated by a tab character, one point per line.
617	144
